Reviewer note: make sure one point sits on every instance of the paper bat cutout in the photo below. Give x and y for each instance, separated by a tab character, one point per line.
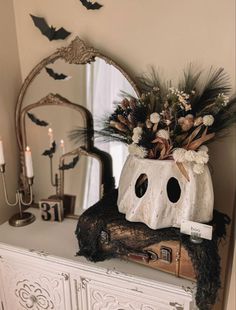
36	120
71	165
91	5
50	32
57	76
51	151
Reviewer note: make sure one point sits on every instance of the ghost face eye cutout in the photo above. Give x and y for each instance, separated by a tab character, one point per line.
141	185
173	190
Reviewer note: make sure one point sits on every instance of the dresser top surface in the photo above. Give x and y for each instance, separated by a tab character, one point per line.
58	239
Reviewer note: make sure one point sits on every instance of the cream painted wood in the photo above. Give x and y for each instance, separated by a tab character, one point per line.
39	270
33	284
108	293
155	208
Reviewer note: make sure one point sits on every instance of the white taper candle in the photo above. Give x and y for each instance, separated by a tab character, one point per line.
50	134
2	160
62	146
28	163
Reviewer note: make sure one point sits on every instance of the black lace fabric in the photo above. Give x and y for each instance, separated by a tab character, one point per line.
103	220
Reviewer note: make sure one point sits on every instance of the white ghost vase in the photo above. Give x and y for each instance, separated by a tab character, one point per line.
156	193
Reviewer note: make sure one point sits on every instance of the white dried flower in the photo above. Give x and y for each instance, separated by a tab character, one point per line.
188	107
136	150
172	90
137	134
182	99
155	118
208	120
202	157
190	155
136	138
198	168
164	134
224	99
137	130
179	155
203	148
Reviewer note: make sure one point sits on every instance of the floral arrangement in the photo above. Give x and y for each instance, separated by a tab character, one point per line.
174	123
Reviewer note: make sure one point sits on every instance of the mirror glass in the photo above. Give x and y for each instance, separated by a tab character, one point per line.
96	86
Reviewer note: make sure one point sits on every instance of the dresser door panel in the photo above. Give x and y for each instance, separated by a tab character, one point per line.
33	283
107	293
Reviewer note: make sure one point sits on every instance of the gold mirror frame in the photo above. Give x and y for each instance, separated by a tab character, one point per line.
77	52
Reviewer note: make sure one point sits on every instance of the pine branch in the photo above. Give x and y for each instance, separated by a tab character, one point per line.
152	83
217	82
79	135
190	80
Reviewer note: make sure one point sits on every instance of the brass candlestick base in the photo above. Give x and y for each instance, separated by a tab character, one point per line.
22	219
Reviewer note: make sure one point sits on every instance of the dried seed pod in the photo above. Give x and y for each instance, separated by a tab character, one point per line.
132	103
124	104
189	116
155	126
148	124
198	121
113	124
131	119
120	127
124	121
181	120
187	124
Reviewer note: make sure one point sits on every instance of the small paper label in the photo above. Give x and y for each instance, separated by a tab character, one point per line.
196	229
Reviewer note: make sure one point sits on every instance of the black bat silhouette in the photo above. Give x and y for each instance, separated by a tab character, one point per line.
50	32
91	5
51	151
36	120
55	75
71	165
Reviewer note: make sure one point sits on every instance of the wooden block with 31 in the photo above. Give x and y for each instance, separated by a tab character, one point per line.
51	209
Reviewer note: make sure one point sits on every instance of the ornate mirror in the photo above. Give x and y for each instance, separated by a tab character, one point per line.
84	86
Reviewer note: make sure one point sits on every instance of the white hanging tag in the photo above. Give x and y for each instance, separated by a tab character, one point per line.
196	229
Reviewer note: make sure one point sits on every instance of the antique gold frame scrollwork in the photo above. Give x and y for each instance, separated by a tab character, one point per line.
77	52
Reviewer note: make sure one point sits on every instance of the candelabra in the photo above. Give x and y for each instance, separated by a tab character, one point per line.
21	218
55	181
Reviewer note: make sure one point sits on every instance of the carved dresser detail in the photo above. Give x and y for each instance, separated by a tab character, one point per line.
39	271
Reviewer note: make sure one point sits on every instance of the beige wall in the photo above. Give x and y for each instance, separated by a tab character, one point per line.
10	81
230	301
165	33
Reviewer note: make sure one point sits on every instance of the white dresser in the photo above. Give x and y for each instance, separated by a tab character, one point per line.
39	270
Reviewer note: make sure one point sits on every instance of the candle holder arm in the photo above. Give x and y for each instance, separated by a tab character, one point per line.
25	203
11	204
